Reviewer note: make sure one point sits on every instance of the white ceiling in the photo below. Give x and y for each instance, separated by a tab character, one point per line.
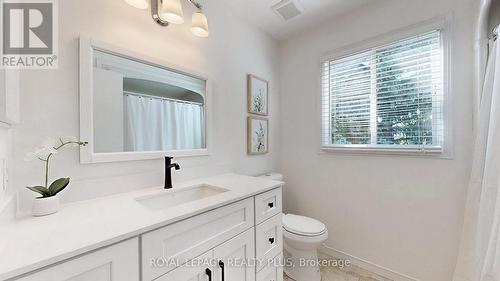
260	13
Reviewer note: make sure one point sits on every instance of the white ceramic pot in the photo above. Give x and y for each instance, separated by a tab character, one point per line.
45	206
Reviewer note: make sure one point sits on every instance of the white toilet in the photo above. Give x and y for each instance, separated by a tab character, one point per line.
302	236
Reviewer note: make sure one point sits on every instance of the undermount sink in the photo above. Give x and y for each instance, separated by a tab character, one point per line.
171	198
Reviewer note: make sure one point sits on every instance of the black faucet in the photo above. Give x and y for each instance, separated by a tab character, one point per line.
168	171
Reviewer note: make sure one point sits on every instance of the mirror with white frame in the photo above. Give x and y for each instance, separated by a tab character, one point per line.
133	107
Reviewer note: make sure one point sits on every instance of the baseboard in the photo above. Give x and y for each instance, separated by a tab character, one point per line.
377	269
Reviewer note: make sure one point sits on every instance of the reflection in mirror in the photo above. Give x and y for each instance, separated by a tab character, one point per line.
143	107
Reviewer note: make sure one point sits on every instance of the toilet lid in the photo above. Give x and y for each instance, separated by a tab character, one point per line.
303	225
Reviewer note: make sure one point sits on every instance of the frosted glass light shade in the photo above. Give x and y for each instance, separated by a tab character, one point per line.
171	11
199	25
139	4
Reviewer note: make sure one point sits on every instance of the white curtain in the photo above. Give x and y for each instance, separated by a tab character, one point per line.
154	124
479	258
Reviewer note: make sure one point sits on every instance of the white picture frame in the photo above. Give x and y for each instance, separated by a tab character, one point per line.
257	95
257	135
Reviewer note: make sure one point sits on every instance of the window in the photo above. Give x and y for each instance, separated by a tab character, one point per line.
386	98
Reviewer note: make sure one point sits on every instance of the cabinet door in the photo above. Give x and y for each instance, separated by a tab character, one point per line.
192	237
234	258
118	262
269	239
198	269
272	271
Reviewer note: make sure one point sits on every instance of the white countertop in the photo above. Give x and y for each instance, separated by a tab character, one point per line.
30	243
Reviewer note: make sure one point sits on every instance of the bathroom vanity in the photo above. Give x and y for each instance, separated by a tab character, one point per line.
231	221
154	234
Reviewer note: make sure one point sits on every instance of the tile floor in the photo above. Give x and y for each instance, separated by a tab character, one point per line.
348	273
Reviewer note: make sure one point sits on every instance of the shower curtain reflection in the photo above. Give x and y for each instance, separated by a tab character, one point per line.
156	124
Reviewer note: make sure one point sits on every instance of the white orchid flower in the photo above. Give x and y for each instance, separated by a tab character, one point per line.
73	141
44	152
51	146
68	139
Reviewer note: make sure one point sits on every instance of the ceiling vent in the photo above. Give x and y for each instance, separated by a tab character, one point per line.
288	9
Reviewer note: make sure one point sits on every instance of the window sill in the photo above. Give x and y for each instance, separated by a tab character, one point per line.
438	153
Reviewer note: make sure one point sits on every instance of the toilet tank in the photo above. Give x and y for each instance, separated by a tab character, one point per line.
272	176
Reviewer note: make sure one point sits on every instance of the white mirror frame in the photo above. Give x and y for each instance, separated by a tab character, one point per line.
87	154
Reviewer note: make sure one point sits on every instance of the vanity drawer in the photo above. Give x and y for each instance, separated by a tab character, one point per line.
190	238
269	239
272	272
118	262
267	204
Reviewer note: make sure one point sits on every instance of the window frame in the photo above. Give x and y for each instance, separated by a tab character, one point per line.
444	24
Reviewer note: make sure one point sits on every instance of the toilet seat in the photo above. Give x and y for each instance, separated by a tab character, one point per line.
303	226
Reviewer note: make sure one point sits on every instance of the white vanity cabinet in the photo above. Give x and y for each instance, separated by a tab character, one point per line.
118	262
234	258
192	237
271	272
192	272
267	205
225	262
269	239
269	235
243	255
232	242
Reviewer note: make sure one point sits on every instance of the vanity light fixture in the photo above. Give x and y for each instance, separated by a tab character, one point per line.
165	12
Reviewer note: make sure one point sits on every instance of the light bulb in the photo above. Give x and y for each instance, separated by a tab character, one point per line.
171	11
199	25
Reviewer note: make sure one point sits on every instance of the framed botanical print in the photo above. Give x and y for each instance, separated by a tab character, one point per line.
257	135
257	95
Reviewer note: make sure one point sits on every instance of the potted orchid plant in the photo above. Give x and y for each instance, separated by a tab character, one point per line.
48	202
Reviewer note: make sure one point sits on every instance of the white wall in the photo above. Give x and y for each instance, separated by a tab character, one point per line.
401	213
5	158
7	202
49	98
9	114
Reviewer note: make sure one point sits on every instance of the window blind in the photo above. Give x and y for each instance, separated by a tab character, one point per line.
389	97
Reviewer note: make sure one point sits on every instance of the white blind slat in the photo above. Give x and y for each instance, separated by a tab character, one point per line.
386	97
409	60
